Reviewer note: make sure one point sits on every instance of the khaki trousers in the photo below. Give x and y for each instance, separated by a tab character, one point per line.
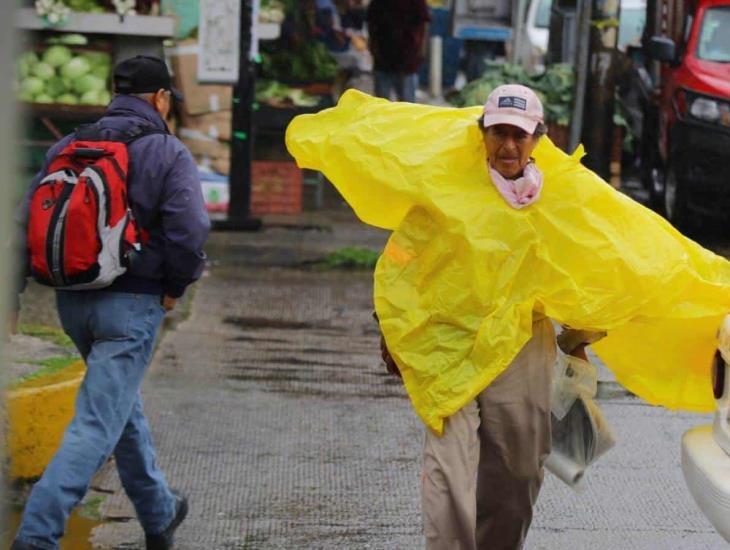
481	478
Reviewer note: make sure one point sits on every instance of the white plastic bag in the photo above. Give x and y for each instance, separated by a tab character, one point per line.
572	377
580	432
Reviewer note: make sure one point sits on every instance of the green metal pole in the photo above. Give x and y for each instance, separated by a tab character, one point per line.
239	205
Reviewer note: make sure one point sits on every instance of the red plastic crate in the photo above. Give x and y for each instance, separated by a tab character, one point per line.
276	188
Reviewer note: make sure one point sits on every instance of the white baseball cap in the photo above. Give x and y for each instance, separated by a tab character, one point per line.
513	104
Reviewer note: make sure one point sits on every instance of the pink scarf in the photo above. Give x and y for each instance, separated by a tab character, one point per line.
522	191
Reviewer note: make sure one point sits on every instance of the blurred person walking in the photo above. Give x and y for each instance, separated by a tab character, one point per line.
341	29
114	327
398	31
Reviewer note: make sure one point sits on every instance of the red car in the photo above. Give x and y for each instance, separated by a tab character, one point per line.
687	125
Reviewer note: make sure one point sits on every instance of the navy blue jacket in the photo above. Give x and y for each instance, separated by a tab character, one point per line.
164	195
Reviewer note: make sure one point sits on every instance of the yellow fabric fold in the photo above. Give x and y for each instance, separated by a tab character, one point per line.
463	272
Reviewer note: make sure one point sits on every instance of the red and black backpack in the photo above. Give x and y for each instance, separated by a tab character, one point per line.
81	231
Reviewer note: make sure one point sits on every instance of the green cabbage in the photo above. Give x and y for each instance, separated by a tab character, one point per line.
25	63
71	39
25	95
554	87
89	98
31	85
56	56
97	58
55	86
43	71
102	71
23	69
68	99
28	58
89	83
75	68
43	98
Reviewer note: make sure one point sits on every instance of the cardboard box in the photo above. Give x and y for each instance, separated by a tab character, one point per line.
199	98
220	166
213	125
207	152
200	144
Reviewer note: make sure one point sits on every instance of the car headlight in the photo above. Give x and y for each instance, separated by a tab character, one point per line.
710	110
705	109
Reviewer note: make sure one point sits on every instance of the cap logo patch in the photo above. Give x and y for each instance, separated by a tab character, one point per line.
513	102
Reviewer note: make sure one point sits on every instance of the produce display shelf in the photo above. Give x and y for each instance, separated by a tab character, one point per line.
100	23
63	111
276	119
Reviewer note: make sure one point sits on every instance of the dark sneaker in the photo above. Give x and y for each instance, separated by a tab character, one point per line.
19	545
164	540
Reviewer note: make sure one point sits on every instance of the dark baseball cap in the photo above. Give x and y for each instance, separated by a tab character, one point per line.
143	74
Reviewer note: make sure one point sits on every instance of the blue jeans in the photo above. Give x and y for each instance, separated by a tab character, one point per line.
404	85
115	334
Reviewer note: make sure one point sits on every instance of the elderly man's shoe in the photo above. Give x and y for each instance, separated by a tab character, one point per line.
164	540
20	545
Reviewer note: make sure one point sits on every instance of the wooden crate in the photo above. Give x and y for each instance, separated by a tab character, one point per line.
276	188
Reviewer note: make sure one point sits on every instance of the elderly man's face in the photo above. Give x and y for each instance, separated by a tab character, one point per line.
508	148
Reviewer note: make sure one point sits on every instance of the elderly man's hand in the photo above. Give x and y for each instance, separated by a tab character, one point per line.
168	303
388	359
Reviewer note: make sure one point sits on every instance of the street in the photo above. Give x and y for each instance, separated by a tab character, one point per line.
271	409
269	404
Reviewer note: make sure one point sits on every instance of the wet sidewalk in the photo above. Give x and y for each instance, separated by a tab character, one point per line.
271	409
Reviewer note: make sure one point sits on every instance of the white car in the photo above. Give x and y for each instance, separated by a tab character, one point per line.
706	449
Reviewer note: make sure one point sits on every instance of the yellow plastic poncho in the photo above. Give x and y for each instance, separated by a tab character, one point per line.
462	273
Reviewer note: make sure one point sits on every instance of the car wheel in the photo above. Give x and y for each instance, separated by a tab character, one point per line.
675	200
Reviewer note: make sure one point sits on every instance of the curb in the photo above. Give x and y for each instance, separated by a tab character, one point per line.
38	412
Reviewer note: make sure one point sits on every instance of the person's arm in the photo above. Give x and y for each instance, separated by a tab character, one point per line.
390	363
185	226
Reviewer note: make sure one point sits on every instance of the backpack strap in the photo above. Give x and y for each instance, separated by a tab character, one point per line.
139	131
88	132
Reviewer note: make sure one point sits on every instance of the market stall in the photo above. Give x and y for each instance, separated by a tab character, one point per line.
295	73
63	73
70	47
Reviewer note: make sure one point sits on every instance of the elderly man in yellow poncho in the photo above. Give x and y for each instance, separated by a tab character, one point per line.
496	231
481	477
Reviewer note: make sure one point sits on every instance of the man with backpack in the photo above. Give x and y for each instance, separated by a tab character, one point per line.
118	265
